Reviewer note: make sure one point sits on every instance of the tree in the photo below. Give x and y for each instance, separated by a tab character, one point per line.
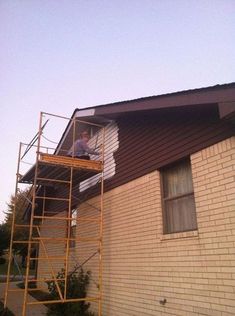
18	204
4	238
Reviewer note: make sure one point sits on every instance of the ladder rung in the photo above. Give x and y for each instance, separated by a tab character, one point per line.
49	258
88	219
38	226
88	299
51	238
51	226
21	225
26	225
22	290
24	242
54	180
65	239
45	280
51	198
54	217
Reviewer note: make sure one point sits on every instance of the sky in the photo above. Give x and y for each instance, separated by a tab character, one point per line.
56	56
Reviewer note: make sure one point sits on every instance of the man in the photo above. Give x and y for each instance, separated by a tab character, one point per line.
80	148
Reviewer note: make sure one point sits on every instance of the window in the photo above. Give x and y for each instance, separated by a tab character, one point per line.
73	228
179	213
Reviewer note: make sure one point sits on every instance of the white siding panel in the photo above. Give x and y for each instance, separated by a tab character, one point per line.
111	145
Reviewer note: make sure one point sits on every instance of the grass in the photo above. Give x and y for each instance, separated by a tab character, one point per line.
5	312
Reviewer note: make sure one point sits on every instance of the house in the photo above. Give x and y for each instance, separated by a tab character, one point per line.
168	205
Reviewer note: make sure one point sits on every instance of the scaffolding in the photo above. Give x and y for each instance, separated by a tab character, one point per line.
54	168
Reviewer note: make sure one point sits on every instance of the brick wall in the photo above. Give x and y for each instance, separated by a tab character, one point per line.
214	185
53	248
194	271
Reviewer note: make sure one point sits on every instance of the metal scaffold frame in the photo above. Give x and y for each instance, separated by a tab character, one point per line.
39	180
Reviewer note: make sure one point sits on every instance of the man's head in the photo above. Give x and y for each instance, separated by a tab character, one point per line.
85	135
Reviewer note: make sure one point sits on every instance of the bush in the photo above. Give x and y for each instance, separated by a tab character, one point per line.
5	312
2	260
77	283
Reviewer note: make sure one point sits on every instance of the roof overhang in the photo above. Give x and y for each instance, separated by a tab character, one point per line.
211	95
227	110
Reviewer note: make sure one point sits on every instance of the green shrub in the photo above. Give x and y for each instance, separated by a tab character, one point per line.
77	283
5	312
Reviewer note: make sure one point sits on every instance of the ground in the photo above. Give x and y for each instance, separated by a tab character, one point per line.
15	302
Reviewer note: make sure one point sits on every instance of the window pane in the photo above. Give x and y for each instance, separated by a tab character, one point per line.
177	180
178	198
180	214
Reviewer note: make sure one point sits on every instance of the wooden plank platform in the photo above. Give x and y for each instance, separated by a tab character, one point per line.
53	167
92	165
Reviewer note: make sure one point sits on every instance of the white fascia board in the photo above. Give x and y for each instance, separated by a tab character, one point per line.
87	112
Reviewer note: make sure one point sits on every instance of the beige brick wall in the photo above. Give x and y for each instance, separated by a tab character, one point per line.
54	248
194	271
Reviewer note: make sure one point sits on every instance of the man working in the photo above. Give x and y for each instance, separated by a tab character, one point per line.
80	148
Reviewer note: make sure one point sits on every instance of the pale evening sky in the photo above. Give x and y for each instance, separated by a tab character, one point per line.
59	55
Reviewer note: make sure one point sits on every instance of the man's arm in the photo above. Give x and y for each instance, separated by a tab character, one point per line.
89	150
73	149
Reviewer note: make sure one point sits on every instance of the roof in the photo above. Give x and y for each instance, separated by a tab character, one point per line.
214	88
219	94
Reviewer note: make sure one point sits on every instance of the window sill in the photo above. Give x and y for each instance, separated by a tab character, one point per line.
193	233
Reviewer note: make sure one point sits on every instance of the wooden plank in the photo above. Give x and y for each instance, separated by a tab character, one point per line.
72	162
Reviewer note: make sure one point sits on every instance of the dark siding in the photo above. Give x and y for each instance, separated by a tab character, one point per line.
153	139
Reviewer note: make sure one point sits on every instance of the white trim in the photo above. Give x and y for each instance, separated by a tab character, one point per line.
82	113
